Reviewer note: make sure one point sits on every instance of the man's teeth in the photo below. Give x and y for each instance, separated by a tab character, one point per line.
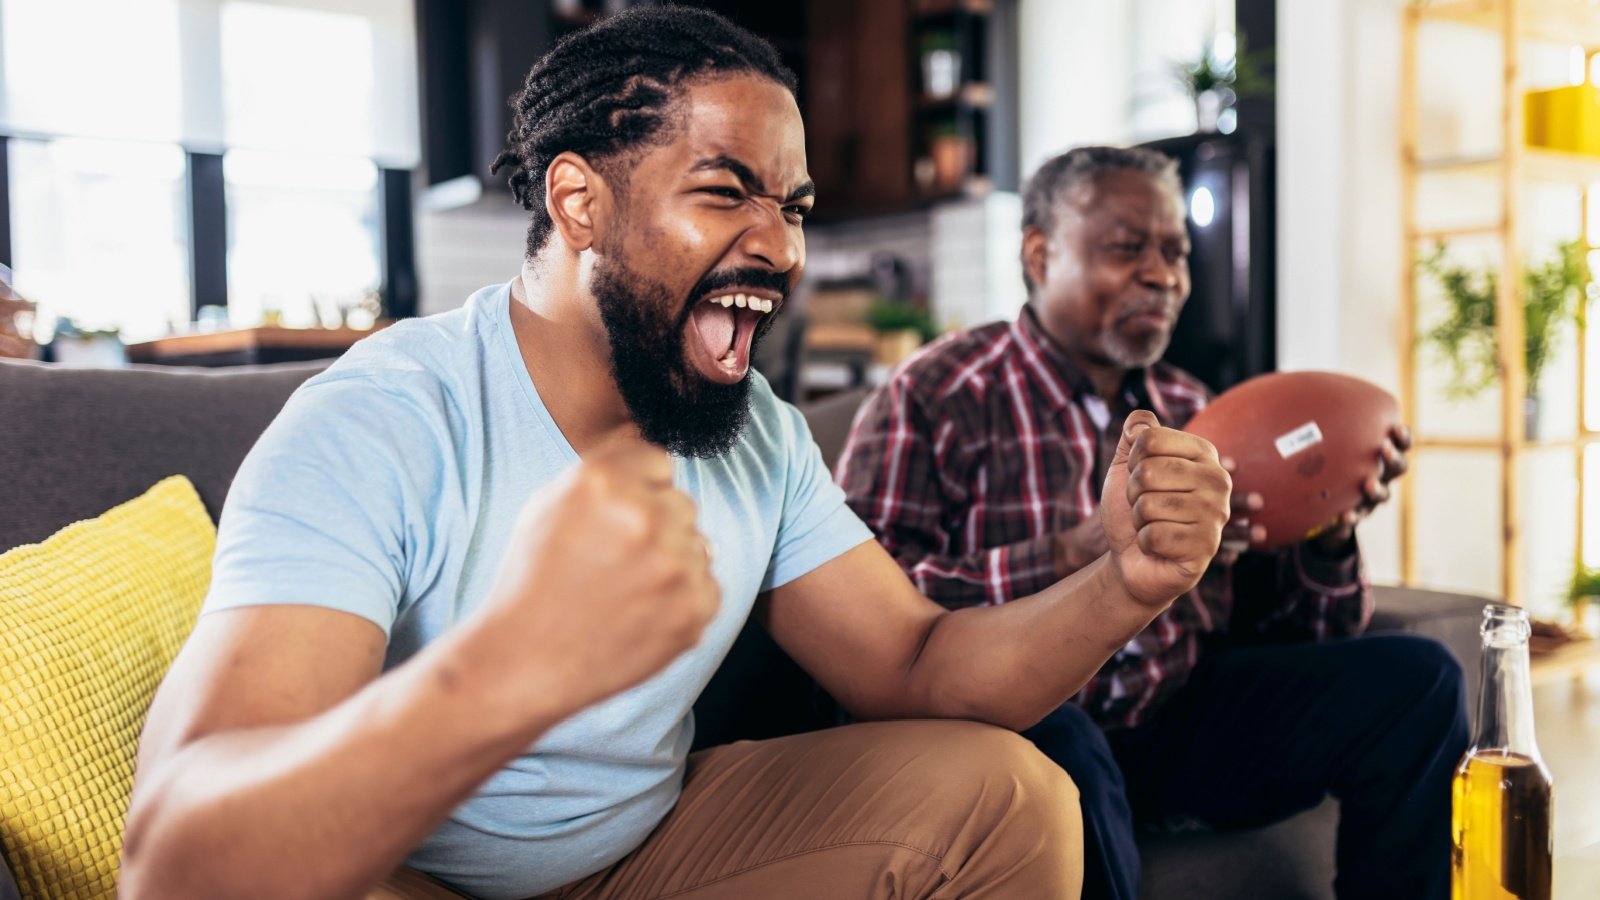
743	301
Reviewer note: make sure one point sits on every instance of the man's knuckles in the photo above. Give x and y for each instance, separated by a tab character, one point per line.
1172	473
1161	441
678	509
1179	541
1156	506
689	608
667	564
626	512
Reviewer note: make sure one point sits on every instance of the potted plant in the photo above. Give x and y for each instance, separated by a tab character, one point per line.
1552	292
1214	82
952	151
1583	598
901	328
941	64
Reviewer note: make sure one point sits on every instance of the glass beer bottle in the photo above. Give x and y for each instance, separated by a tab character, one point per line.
1500	821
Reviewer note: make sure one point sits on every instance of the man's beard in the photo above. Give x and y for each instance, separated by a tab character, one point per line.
1142	352
1136	354
674	406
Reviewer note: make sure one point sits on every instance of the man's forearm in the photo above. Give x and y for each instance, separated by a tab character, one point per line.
329	806
1011	665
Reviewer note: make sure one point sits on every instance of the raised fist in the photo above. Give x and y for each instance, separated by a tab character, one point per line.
605	575
1163	507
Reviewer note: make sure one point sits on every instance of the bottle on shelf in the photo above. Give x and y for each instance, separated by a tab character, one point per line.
1501	813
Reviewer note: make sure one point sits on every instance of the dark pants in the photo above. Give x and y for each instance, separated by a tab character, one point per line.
1261	733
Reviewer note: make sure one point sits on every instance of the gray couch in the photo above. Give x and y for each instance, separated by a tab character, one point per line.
74	442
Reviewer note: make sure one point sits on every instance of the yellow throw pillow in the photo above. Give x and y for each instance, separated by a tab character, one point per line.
90	619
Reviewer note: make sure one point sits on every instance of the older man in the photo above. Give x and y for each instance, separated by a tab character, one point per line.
976	466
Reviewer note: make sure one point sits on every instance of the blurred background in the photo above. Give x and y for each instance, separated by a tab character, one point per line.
175	173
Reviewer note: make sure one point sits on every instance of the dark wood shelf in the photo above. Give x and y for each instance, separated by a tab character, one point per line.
929	9
973	187
870	129
248	346
973	95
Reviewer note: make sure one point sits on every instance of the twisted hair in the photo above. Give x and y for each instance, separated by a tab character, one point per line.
1060	177
610	88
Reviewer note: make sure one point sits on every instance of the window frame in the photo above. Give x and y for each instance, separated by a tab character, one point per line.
5	199
208	233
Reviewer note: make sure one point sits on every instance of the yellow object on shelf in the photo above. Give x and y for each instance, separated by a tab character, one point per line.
1566	119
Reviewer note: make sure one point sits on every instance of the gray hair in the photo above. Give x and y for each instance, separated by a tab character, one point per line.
1077	169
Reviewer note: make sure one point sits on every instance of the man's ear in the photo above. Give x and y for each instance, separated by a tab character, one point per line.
1035	254
575	196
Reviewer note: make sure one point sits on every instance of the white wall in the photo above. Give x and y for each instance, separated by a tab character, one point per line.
1339	245
1311	182
1075	65
461	250
977	261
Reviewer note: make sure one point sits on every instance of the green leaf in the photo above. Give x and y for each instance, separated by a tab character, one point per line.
1466	339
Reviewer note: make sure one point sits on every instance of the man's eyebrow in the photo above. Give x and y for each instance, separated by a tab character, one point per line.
751	181
1124	228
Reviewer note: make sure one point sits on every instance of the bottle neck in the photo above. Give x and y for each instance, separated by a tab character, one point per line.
1505	712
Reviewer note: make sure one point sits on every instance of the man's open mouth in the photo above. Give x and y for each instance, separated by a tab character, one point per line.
721	329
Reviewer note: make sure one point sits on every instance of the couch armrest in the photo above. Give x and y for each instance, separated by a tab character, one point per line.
1451	618
829	420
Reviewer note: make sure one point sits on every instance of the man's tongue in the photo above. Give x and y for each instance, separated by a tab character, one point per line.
714	323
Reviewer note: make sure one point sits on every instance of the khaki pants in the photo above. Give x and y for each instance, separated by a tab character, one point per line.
935	809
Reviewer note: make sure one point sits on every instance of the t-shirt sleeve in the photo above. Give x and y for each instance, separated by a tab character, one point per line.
324	509
817	525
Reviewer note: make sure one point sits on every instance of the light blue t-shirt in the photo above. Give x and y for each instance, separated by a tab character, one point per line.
387	488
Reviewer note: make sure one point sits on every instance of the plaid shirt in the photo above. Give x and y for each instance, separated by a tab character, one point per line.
985	444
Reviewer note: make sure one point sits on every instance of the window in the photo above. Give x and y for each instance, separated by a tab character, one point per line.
100	234
305	100
302	235
302	224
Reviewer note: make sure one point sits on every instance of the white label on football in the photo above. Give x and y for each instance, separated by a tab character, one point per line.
1307	435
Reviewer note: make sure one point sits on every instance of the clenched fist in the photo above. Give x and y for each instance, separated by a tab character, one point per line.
605	580
1163	507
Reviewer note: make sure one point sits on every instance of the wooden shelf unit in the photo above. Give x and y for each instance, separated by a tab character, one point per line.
1567	22
1535	165
1551	21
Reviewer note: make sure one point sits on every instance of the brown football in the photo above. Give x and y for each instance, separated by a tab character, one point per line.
1304	441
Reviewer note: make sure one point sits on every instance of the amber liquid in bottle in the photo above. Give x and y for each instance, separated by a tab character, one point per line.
1500	820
